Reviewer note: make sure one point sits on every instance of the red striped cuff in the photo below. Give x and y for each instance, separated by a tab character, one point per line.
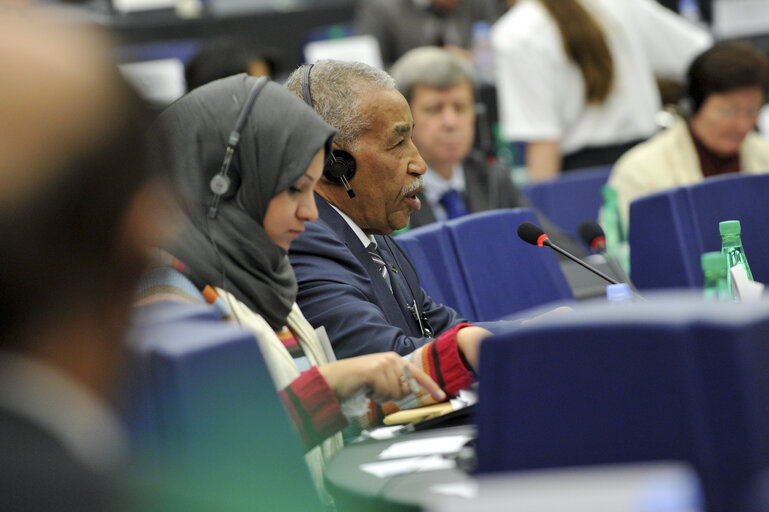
446	363
313	407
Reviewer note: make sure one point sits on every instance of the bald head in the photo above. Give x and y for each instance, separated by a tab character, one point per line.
57	89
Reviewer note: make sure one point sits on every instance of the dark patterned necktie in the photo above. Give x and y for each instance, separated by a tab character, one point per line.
377	258
454	204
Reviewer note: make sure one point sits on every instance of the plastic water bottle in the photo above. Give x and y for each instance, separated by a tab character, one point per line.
731	247
690	9
611	222
715	286
482	55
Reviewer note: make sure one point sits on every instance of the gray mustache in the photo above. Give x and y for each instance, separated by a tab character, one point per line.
414	186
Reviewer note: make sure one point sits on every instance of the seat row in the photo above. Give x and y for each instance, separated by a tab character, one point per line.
669	230
674	378
478	265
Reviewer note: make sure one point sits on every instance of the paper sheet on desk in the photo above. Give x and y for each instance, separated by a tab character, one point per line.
387	468
467	490
382	433
426	446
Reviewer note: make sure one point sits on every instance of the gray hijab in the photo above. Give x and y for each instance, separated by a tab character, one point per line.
278	141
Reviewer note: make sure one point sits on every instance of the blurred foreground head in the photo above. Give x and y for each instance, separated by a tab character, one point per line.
75	205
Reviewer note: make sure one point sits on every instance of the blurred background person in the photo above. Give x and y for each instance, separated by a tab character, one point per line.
76	211
223	57
726	89
401	25
576	78
438	85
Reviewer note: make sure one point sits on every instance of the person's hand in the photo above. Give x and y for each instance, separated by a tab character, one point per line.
382	372
469	342
561	310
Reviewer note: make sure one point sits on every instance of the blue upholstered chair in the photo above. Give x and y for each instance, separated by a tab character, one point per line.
206	405
671	229
571	199
675	378
432	251
503	273
479	266
427	277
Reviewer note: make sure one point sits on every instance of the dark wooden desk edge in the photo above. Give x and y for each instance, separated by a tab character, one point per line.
355	490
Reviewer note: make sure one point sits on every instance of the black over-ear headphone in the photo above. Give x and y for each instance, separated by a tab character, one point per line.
340	166
221	183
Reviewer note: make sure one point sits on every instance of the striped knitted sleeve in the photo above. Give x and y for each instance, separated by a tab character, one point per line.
313	408
442	360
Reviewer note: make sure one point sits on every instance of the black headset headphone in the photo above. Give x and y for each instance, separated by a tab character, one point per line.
221	183
340	166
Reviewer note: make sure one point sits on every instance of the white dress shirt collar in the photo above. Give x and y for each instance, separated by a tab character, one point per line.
365	239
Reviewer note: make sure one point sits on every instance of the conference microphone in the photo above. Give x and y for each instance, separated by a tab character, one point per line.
533	234
592	234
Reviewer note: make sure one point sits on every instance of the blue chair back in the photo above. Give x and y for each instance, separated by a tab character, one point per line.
503	273
209	408
675	378
427	278
671	229
432	251
658	223
571	199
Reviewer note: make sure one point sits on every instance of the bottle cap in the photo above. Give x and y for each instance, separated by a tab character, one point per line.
608	194
481	28
729	227
714	262
619	292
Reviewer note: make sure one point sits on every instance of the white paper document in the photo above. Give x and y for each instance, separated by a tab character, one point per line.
745	289
382	433
468	489
387	468
429	446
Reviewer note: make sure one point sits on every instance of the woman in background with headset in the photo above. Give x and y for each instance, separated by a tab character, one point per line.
240	218
725	92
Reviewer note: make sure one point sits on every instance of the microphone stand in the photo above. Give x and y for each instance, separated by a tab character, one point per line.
579	261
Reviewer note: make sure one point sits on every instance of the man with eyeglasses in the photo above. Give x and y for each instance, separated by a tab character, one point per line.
726	88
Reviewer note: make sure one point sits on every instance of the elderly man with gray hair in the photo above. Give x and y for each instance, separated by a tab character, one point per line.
353	278
438	85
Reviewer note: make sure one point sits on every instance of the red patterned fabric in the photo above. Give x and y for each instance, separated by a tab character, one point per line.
313	407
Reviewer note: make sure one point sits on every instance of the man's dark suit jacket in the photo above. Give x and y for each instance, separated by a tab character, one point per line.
340	288
489	187
38	474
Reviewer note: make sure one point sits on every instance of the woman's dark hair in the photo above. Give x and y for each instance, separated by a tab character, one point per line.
585	44
220	58
725	67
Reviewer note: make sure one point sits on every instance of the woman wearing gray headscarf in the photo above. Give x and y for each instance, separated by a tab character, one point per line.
238	258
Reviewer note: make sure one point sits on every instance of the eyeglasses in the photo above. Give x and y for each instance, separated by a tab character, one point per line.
729	112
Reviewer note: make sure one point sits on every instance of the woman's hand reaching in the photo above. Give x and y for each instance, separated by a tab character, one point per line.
383	373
